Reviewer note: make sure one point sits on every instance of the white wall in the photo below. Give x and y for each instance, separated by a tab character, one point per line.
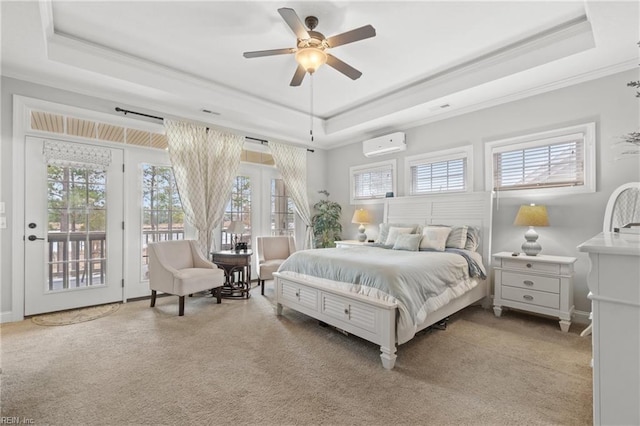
574	219
10	87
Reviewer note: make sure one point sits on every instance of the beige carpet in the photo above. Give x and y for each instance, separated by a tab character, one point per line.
237	363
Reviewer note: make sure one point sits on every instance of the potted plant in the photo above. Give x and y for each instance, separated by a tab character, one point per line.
326	222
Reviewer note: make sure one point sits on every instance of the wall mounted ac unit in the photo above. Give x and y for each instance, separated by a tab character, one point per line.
382	145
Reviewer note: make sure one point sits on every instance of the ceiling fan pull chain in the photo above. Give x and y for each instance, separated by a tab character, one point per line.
311	108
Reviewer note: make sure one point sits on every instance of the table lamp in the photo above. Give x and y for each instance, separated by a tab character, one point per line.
531	215
235	228
362	217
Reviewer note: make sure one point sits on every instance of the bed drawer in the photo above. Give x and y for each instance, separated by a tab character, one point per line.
300	295
533	282
353	313
531	266
531	297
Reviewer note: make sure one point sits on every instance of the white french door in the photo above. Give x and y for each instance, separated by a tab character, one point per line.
73	236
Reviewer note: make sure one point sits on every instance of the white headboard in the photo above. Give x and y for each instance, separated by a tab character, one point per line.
469	208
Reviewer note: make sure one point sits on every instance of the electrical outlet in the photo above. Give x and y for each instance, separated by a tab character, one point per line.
3	222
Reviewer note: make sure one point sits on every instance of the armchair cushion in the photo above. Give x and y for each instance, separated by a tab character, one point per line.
268	267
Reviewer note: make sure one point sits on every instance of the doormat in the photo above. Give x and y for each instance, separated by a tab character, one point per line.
75	316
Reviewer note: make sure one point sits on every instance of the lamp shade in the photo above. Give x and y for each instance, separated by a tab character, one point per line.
361	216
236	227
532	215
311	58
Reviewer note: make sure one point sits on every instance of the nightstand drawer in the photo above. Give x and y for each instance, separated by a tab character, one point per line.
533	282
531	265
531	297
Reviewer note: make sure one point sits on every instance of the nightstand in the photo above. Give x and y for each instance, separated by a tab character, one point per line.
541	284
350	243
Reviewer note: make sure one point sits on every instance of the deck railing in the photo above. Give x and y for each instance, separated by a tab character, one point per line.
76	259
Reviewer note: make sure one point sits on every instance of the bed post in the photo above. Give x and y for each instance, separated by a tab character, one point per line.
387	333
276	284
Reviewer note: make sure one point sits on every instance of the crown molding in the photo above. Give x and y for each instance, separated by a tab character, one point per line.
572	36
512	97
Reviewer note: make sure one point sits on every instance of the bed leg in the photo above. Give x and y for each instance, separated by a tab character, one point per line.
278	309
387	333
388	357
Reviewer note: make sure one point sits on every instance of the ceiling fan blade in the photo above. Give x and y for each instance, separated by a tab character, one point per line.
271	52
343	67
298	76
291	18
350	36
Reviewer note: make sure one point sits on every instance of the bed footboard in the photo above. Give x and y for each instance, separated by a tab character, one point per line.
368	318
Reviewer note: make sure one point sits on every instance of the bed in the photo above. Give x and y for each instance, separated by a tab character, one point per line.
371	291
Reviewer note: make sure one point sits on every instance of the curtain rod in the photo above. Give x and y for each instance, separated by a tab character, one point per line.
126	111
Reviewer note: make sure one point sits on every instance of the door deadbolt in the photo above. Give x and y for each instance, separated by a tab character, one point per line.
32	225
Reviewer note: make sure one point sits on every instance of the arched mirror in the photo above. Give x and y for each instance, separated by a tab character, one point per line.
623	207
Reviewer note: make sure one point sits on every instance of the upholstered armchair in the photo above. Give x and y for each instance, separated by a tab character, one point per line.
178	267
272	251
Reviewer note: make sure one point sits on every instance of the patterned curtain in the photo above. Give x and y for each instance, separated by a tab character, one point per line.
205	162
292	163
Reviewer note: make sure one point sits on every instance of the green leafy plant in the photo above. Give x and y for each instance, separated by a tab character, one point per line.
326	222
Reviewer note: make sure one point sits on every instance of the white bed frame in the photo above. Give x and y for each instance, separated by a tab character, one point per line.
375	320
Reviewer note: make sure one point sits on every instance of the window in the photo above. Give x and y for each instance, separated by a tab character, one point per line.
162	214
443	171
238	210
371	182
77	210
558	161
282	222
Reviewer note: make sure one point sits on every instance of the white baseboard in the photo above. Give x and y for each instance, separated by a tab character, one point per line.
7	316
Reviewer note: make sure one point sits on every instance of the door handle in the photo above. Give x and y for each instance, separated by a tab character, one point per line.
33	238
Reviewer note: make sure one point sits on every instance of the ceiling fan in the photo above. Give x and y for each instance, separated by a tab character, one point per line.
311	50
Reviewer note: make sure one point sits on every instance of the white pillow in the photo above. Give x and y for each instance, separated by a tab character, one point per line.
394	232
434	237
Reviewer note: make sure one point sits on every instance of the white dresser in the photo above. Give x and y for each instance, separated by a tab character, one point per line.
541	284
614	284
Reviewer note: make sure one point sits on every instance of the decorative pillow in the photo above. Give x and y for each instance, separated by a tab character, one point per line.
384	230
434	237
473	238
394	232
409	242
458	237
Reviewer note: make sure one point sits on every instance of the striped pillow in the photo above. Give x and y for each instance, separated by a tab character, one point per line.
458	237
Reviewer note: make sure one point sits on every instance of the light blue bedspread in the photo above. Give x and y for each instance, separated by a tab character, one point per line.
420	282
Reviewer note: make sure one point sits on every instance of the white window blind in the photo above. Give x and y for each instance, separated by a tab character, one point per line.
548	163
373	183
439	176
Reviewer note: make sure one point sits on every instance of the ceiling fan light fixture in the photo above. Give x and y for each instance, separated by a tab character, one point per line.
311	58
